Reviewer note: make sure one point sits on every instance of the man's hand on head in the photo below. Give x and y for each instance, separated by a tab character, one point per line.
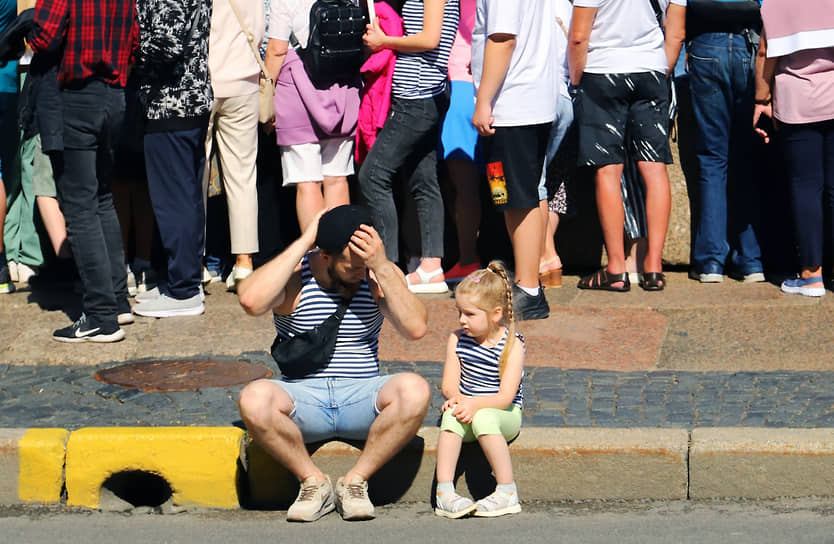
366	243
312	229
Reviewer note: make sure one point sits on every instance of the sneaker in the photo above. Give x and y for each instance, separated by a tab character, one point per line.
352	499
146	280
458	272
753	277
527	307
237	275
314	500
6	285
167	306
453	506
85	331
125	318
150	294
710	278
26	272
131	282
799	286
12	271
210	276
497	504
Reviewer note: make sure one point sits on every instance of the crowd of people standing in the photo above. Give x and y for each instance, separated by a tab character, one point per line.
129	119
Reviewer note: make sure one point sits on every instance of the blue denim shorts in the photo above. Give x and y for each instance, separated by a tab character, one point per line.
325	408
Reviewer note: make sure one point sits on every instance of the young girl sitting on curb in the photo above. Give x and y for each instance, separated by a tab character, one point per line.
482	387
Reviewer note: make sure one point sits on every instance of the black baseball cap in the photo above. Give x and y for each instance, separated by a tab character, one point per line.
338	225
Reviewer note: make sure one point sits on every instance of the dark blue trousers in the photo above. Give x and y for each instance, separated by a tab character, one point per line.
175	162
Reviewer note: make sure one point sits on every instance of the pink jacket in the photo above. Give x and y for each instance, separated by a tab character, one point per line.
378	72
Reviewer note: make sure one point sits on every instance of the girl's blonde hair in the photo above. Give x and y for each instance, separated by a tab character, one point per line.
491	288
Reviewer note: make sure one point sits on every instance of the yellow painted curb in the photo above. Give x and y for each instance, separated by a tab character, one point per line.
199	463
41	455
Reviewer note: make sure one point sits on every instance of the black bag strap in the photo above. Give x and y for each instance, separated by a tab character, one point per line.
658	14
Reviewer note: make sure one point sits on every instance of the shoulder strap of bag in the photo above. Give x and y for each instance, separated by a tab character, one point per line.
562	24
251	39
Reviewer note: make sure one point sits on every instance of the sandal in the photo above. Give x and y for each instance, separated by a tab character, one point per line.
653	281
426	286
551	278
602	280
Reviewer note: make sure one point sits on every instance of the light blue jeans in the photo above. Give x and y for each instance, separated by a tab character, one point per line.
325	408
560	126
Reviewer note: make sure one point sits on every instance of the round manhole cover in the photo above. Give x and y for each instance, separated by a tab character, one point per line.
182	374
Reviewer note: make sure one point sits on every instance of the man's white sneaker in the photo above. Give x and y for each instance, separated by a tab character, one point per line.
131	282
710	278
352	499
453	506
498	504
166	306
25	272
125	318
314	500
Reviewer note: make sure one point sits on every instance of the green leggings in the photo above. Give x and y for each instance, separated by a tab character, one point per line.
485	421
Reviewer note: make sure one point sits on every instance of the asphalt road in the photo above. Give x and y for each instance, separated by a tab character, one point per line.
795	521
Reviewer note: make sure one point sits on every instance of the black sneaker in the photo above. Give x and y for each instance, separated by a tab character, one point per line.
528	307
6	285
84	330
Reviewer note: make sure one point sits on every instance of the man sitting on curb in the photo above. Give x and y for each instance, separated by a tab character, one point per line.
346	398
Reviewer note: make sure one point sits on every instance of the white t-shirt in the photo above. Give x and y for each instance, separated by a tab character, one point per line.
290	18
625	36
528	94
564	12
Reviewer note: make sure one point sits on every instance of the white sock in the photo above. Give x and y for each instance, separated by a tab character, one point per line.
445	487
532	291
508	489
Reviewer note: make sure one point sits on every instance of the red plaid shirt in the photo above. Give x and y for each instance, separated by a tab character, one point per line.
97	36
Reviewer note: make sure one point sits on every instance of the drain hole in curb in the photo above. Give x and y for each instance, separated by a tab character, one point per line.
139	488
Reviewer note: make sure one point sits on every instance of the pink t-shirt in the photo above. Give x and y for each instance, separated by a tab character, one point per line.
461	54
803	89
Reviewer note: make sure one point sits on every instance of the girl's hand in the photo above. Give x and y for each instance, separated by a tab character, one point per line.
465	410
374	37
451	403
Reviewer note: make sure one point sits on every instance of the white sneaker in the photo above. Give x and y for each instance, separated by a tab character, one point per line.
166	306
237	275
131	282
145	280
754	277
710	278
125	318
352	499
498	504
453	506
145	296
25	272
314	500
13	271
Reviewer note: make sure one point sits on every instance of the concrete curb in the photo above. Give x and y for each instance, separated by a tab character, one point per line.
218	467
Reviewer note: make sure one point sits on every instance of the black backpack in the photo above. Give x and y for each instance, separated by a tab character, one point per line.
334	52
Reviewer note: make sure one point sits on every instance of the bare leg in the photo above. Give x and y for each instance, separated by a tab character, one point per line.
611	215
448	452
658	208
526	230
56	226
308	201
336	191
402	402
467	207
497	453
550	258
265	409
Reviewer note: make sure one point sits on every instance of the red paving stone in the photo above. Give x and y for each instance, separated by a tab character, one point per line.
603	339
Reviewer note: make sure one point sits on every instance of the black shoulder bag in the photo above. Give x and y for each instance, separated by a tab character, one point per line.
310	351
673	97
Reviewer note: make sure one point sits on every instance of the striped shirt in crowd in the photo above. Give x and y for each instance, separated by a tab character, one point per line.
479	367
357	345
423	75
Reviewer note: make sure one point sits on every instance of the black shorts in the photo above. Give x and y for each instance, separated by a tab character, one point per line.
514	160
613	111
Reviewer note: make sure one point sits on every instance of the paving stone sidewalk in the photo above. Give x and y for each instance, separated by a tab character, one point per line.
69	397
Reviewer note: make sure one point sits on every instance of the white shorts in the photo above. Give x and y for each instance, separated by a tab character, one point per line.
311	162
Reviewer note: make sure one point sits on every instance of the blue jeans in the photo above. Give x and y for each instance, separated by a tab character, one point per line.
93	115
721	81
325	408
408	140
560	126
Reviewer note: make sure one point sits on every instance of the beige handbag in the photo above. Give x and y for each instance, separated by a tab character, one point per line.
266	87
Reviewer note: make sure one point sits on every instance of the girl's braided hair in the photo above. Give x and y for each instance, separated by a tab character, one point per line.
489	288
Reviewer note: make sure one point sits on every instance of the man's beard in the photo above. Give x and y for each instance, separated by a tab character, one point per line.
344	288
